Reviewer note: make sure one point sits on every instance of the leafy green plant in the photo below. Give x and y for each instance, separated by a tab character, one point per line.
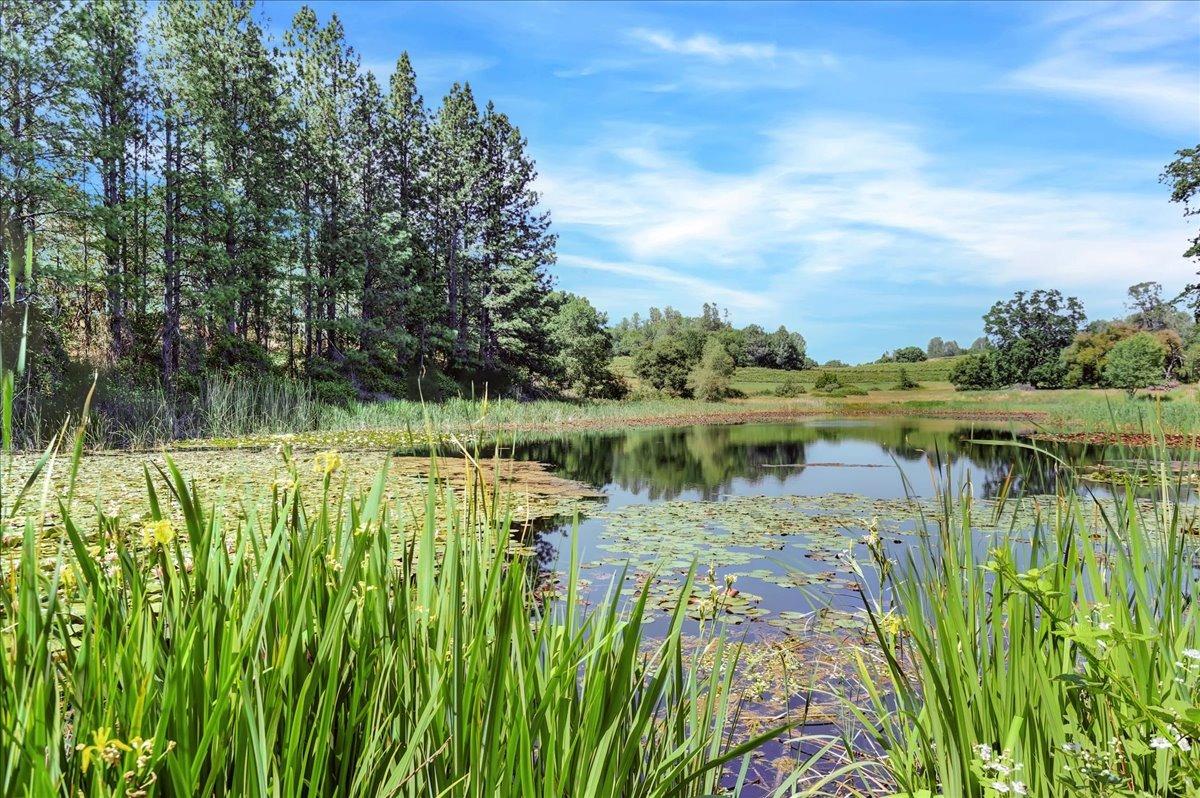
335	653
905	383
1136	362
1059	663
827	381
790	388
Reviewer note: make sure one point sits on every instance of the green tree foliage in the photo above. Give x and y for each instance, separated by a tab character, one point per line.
975	373
584	348
980	344
211	198
749	346
1182	175
1136	362
905	382
939	348
1086	357
664	365
909	354
711	379
1029	332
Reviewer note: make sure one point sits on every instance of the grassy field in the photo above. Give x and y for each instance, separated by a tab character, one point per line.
754	381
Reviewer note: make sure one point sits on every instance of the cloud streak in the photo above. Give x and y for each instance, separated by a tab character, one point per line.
1119	58
856	201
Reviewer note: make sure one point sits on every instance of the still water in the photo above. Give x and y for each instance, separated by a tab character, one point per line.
780	508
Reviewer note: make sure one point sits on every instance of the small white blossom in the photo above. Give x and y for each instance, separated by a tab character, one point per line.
1192	653
1000	786
1161	743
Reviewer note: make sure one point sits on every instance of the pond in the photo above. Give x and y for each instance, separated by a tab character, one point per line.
772	516
775	507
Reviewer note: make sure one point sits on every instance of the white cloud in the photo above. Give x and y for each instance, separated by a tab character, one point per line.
852	201
1138	60
705	46
668	281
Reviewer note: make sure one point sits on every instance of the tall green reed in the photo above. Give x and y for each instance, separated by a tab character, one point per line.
320	649
1055	662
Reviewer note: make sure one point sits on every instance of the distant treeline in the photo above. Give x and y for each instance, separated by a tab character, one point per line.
1042	339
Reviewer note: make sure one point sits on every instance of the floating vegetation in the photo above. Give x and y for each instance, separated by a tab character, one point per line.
114	484
806	543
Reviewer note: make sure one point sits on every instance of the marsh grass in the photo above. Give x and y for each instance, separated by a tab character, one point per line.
1056	662
327	654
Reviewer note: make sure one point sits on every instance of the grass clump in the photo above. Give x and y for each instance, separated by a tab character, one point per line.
790	388
325	652
1055	663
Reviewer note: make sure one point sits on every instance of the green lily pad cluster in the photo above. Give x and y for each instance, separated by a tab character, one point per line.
804	542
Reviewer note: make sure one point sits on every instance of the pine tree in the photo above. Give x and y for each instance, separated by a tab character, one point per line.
454	183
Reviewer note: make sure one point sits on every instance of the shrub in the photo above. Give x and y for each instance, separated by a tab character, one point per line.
905	382
711	379
827	381
789	388
1136	362
975	373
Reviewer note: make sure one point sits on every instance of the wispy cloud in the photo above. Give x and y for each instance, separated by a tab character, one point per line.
669	281
1137	60
705	46
854	201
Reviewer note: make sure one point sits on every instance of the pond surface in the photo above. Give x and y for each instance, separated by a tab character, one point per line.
780	508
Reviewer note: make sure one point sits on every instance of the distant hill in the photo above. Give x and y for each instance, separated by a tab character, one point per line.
755	380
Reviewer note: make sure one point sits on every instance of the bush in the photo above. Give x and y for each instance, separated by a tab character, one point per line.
789	388
909	354
664	365
1136	362
711	380
905	383
975	373
827	381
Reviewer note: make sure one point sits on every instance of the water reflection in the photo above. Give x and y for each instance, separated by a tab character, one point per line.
705	462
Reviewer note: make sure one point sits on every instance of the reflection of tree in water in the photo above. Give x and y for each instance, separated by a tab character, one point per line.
663	463
1031	473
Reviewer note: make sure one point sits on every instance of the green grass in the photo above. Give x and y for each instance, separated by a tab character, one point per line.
1067	660
754	381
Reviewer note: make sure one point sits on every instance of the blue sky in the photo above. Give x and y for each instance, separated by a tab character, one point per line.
871	175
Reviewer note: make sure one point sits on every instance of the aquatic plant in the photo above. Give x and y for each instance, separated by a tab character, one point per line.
1062	662
305	651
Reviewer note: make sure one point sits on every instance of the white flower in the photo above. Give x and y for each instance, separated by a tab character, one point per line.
1019	787
985	752
1192	653
1161	743
1000	786
1184	744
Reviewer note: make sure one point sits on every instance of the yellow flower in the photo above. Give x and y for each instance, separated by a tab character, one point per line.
327	462
157	533
107	750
